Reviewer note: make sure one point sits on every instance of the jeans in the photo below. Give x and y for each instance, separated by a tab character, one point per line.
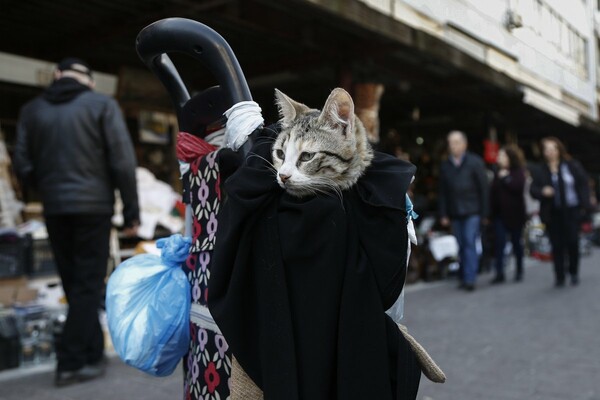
80	245
501	231
467	232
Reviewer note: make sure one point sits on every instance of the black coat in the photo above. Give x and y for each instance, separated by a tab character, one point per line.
74	147
507	199
299	286
543	177
464	189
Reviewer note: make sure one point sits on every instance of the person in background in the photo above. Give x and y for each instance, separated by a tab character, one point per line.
463	202
74	147
561	185
508	208
593	194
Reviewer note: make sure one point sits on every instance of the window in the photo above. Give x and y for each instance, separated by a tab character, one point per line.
545	22
598	61
565	38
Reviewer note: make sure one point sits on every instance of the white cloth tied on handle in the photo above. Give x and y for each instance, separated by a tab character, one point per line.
242	119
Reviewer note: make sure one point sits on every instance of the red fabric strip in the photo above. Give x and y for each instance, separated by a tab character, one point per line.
190	147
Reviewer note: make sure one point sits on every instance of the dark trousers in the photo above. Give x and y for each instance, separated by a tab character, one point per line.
563	230
501	232
80	244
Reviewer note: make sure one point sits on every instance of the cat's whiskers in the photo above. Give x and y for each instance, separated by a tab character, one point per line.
271	166
272	131
266	140
327	187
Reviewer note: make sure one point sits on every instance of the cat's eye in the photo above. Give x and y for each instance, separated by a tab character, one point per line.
280	154
306	156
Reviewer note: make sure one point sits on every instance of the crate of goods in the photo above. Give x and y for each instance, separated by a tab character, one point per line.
43	261
10	344
15	255
36	329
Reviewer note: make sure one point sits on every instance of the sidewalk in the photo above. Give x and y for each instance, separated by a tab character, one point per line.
526	341
121	382
522	341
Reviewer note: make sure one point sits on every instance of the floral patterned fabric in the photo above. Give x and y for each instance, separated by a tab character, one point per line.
207	366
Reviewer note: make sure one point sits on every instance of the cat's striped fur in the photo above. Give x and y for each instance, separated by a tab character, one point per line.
320	151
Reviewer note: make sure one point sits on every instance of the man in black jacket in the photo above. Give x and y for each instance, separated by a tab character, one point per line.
74	147
463	200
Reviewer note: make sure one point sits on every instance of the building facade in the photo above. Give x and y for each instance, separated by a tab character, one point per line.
548	46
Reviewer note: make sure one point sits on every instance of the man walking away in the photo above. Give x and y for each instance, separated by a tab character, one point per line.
463	202
74	147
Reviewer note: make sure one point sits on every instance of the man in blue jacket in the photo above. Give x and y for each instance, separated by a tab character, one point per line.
74	148
463	202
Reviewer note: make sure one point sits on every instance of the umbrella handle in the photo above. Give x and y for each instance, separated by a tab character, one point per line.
180	35
198	41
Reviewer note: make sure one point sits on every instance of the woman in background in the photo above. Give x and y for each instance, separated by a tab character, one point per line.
508	208
563	191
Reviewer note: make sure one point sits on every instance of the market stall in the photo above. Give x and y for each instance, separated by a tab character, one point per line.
33	306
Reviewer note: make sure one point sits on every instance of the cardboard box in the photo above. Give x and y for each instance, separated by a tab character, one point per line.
25	295
33	211
147	247
13	282
15	290
7	295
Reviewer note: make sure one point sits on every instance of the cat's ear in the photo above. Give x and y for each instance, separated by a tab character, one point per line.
288	108
339	110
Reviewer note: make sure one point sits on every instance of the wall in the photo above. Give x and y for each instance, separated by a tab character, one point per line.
553	54
32	72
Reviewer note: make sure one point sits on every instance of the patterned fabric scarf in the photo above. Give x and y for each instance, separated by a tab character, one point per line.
207	366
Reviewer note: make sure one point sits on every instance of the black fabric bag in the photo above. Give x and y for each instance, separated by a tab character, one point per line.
299	287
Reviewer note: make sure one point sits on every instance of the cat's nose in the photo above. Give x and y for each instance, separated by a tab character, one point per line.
284	178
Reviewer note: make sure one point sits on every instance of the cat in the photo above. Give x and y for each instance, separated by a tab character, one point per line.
319	151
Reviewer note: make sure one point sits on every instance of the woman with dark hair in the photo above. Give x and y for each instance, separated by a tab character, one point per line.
508	208
561	185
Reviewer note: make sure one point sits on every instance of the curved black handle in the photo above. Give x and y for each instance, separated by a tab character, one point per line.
196	40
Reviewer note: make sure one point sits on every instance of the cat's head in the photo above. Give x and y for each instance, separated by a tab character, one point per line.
319	151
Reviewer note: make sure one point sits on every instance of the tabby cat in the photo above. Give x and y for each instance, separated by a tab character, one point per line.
319	151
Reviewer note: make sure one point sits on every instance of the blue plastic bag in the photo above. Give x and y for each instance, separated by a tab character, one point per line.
148	308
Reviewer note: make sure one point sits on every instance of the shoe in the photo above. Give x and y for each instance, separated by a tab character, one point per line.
92	371
462	285
574	280
498	279
84	374
518	278
469	287
65	378
559	284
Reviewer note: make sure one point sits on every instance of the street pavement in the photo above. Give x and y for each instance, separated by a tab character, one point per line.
121	382
518	341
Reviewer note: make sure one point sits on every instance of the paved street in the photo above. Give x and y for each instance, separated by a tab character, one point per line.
120	383
522	341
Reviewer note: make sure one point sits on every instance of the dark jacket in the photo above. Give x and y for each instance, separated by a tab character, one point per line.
299	287
507	199
74	147
463	189
543	177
